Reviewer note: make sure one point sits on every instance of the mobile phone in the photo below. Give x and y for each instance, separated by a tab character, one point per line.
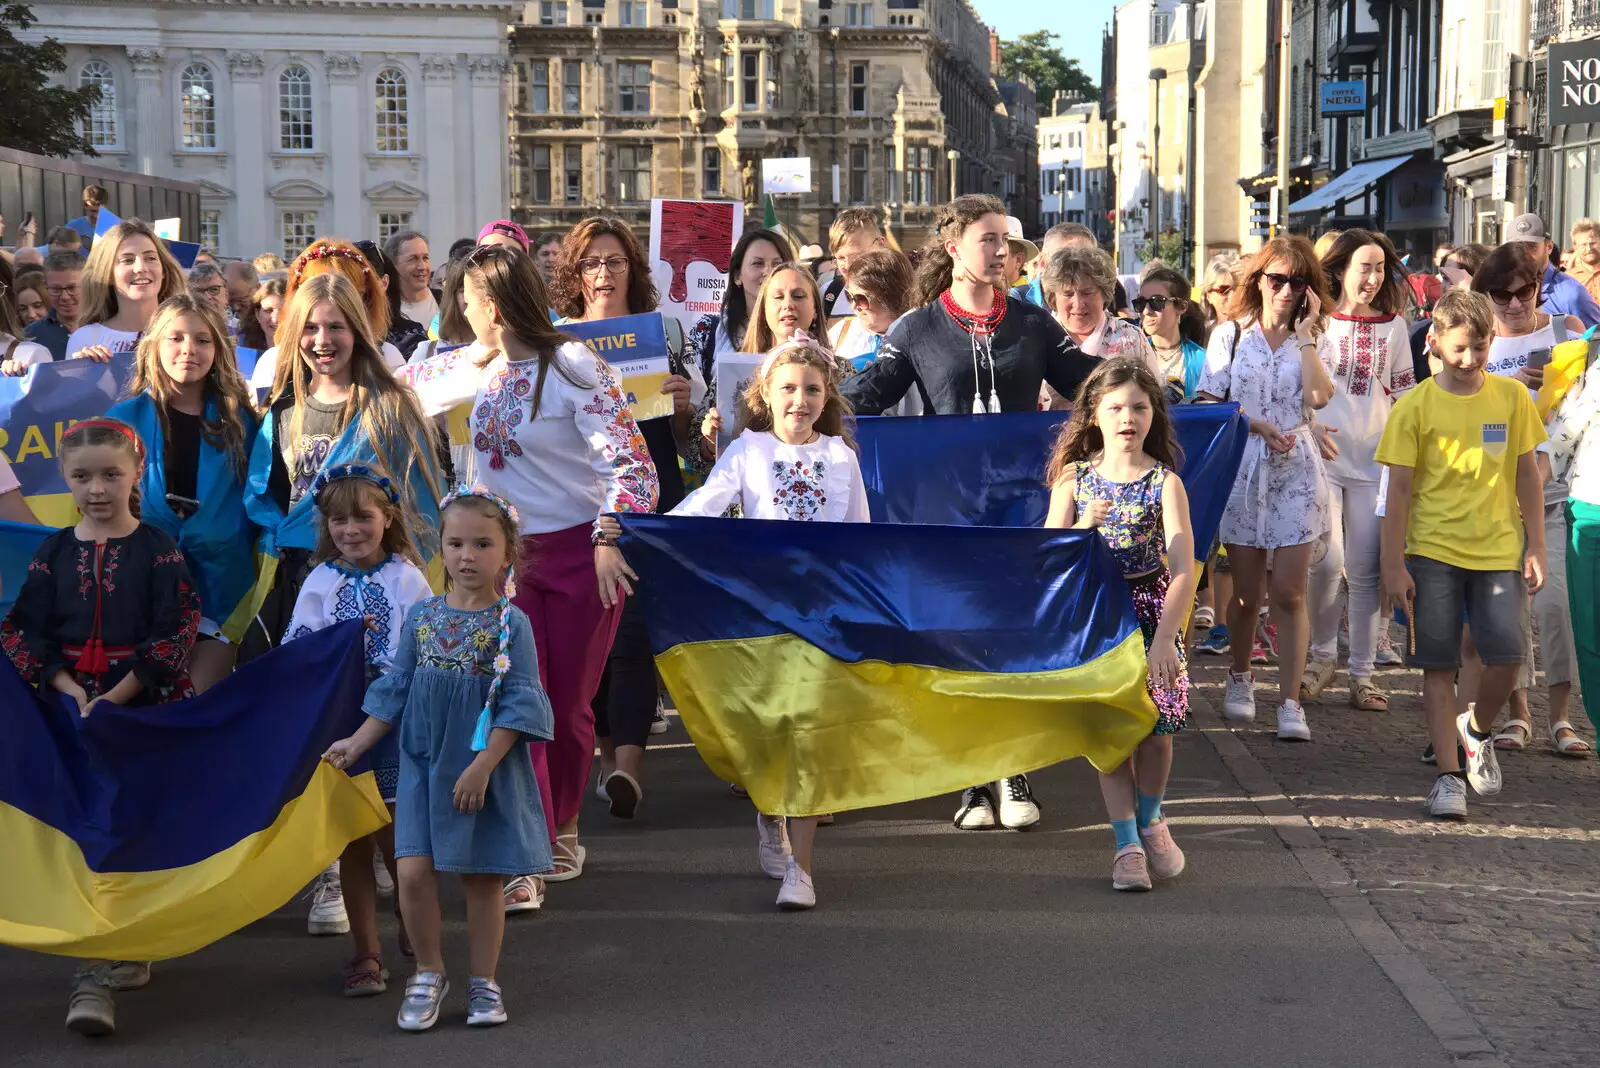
1302	308
1538	358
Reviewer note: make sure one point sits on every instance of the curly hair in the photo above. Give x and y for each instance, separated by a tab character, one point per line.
1080	437
1073	265
566	279
950	221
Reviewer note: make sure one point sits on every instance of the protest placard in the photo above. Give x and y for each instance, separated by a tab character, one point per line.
690	244
636	348
734	371
36	409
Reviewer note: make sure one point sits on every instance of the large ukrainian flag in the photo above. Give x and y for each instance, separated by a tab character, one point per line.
832	666
147	833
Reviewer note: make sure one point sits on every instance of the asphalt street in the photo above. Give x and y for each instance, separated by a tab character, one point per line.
929	947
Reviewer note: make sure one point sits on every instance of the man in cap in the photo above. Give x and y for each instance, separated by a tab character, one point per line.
1559	292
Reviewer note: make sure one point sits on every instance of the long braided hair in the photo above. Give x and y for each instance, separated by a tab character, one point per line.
480	500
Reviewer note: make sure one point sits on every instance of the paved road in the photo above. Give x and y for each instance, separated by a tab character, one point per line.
929	948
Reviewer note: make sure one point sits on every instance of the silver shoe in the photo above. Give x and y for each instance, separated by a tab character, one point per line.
91	1011
425	992
485	1006
128	974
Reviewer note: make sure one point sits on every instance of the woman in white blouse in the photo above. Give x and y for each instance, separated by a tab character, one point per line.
1271	359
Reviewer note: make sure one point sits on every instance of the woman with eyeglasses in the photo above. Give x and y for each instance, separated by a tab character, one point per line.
1524	337
601	272
1371	367
1176	330
1272	359
1218	288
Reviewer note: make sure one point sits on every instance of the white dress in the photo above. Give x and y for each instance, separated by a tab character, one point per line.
1278	499
820	482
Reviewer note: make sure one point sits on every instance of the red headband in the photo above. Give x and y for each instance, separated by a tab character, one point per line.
111	424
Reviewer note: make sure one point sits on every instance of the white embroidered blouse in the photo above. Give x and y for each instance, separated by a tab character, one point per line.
820	482
335	592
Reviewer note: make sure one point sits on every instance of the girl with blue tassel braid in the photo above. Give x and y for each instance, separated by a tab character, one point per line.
464	691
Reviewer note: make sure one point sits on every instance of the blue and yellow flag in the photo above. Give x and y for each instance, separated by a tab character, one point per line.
831	666
148	832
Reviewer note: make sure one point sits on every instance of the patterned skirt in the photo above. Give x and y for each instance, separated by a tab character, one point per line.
1172	702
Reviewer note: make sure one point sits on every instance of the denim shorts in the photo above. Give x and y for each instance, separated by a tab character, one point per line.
1493	603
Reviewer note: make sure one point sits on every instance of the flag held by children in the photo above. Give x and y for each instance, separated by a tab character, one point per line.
828	667
144	833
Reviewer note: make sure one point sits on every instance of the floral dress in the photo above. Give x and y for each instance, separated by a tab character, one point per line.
106	610
434	695
1134	531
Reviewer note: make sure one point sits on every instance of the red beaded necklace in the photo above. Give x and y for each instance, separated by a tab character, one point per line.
972	322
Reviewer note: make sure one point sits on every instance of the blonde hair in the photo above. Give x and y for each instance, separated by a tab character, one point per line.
758	336
389	412
1582	226
1463	308
849	222
99	301
836	412
223	382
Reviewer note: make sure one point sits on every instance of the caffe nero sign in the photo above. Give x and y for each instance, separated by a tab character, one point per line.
1574	80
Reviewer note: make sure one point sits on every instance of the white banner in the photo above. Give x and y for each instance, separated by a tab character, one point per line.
786	175
691	242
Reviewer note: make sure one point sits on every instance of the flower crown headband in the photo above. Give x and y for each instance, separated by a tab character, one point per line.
502	660
331	252
329	475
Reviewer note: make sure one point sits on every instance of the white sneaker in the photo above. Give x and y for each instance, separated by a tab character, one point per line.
380	872
772	847
1017	807
1448	799
1292	725
977	809
128	974
797	892
658	722
1483	767
327	905
1239	704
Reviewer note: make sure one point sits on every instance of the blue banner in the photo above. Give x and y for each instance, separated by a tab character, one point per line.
636	346
1344	98
988	470
36	409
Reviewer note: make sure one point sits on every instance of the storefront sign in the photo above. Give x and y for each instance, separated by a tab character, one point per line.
1415	196
1574	79
1497	186
1344	98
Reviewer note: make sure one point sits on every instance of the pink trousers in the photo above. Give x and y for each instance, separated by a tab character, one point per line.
572	632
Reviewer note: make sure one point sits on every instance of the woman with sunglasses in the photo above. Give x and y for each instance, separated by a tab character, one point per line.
1371	367
879	291
1524	337
1218	288
1272	359
1175	328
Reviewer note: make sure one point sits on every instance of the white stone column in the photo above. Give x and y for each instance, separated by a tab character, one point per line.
254	224
152	127
438	151
348	146
490	199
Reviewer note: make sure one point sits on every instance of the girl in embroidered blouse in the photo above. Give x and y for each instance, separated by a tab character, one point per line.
464	694
794	459
107	615
1371	367
336	403
554	436
192	409
1272	358
1114	469
366	569
128	274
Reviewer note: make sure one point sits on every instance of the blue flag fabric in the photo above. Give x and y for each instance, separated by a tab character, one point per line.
988	470
18	543
147	832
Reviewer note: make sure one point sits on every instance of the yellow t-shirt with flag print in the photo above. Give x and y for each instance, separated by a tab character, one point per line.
1464	453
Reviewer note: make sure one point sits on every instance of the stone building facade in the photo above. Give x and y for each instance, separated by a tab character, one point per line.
619	101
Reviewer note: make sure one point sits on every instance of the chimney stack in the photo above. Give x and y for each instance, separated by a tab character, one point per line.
994	51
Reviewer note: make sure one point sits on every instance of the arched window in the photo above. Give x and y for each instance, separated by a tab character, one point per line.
394	128
100	128
199	107
294	109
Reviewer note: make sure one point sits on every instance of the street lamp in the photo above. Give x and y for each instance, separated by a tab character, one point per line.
952	155
1157	75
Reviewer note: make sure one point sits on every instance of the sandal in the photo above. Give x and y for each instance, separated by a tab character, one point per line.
1317	675
1573	745
362	982
568	859
1516	735
1367	697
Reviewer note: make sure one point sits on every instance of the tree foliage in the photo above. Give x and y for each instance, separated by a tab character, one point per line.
37	116
1036	55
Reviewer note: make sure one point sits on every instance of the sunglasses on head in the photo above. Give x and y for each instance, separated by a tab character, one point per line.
1526	294
1278	281
1158	304
484	253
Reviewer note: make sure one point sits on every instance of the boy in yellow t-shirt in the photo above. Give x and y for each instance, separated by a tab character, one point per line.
1465	515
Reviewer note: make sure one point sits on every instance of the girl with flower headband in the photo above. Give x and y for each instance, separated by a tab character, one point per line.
107	615
366	569
329	255
793	460
464	691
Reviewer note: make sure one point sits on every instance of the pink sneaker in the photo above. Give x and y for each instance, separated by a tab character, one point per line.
1166	859
1128	870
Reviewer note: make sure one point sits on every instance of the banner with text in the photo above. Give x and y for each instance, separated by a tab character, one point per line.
691	242
36	409
636	348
